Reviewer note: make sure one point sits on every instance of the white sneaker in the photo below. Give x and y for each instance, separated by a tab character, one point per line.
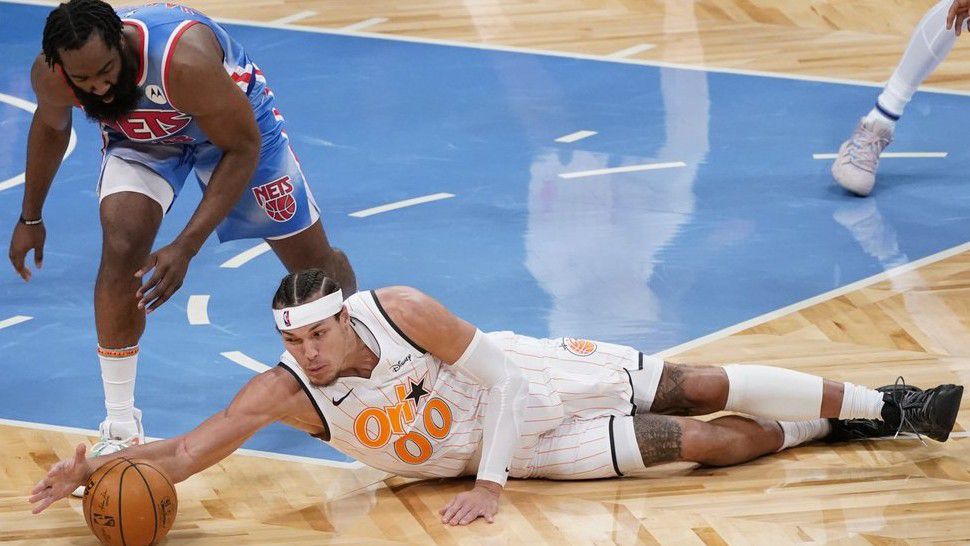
855	167
115	436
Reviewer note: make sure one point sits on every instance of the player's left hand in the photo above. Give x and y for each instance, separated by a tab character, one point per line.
169	264
480	502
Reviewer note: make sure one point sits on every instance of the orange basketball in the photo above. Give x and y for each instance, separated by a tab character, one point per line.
129	503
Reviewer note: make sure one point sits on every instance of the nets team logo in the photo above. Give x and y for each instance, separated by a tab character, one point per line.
149	125
579	347
276	198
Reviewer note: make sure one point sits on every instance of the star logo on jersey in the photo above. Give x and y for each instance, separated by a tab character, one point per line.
149	125
417	391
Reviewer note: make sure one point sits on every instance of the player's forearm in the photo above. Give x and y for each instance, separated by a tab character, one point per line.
229	179
162	454
45	150
486	362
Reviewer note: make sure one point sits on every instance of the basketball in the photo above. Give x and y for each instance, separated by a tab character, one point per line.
129	503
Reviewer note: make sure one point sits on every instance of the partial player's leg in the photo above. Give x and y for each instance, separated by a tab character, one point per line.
778	393
129	223
858	158
310	248
279	208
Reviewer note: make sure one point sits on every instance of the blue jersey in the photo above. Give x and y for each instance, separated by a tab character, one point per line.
170	144
155	119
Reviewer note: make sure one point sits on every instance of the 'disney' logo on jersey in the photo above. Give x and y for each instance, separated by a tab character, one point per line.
579	347
148	125
374	426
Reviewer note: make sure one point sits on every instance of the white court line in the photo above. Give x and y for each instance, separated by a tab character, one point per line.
890	155
18	102
631	51
373	21
627	169
401	204
246	361
14	320
246	255
198	309
294	17
251	452
730	330
578	135
546	53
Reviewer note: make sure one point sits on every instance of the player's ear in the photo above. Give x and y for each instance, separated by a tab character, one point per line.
343	317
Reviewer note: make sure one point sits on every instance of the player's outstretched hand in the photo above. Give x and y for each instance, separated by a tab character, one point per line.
480	502
61	479
24	239
169	264
959	11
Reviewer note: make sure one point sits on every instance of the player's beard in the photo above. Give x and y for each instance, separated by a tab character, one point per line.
124	94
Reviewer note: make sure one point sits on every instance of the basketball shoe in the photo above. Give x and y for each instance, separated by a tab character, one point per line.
855	166
932	413
116	436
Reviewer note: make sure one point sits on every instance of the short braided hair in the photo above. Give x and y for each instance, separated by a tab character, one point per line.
297	288
70	25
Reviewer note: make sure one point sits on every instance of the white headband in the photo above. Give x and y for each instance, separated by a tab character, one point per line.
290	318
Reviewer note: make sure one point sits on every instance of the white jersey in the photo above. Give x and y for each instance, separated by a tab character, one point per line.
417	416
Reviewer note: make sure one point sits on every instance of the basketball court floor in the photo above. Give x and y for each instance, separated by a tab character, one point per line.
648	173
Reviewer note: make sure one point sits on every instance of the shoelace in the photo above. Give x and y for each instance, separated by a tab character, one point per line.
865	148
916	401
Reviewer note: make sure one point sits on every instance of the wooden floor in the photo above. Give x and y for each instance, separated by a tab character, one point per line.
915	324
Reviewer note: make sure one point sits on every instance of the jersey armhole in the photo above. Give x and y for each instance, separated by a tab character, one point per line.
325	436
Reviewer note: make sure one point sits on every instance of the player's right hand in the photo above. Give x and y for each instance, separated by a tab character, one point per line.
61	479
24	239
958	14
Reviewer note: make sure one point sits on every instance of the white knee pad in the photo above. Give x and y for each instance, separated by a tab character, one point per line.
775	393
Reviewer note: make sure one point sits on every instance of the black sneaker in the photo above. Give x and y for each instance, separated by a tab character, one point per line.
906	409
931	412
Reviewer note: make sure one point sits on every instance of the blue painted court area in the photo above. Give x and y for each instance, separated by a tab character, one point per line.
750	222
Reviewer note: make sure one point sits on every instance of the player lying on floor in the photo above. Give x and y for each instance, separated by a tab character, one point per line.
393	379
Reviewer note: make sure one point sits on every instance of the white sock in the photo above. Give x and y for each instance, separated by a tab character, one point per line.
875	116
860	402
118	369
799	432
928	46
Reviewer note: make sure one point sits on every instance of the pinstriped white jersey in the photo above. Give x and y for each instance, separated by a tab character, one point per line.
416	416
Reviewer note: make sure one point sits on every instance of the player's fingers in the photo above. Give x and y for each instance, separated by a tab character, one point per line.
489	517
79	452
17	259
471	516
43	505
446	507
958	24
149	264
39	255
951	15
459	514
450	510
151	289
162	293
40	487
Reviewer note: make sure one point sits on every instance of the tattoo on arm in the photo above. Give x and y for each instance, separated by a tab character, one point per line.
658	437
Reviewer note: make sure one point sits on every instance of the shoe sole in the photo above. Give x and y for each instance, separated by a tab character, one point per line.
953	397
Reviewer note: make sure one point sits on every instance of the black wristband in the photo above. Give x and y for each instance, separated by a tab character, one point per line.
27	222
